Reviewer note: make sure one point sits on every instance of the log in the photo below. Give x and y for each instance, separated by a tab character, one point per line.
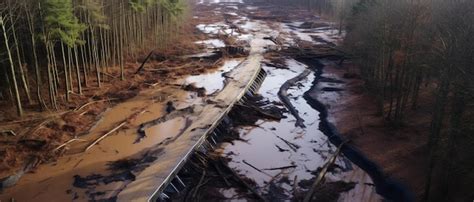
323	172
143	63
283	95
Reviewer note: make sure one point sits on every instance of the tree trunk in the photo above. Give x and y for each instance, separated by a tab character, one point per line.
12	70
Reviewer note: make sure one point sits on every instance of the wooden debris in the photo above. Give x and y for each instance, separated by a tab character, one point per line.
11	132
196	189
89	103
295	187
171	115
105	135
68	142
219	171
292	146
283	95
257	169
323	172
261	112
281	168
241	181
143	63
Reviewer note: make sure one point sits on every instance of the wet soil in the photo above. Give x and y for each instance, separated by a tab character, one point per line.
401	153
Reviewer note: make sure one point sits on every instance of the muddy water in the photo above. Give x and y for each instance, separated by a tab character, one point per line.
56	181
213	81
266	146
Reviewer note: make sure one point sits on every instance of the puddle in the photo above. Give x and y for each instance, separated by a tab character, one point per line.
251	26
233	7
220	1
213	81
212	43
212	28
319	35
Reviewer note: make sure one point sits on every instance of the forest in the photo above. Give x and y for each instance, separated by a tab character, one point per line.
414	57
413	53
52	49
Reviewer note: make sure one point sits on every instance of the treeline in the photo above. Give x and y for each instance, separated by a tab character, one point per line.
336	10
413	49
51	49
405	47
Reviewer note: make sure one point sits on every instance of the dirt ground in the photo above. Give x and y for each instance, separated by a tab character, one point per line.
402	153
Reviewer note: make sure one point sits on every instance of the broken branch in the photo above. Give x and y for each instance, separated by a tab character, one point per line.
89	103
66	143
105	135
257	169
292	146
143	63
9	132
323	172
239	179
281	168
221	174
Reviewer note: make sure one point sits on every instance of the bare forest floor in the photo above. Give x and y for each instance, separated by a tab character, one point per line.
401	152
38	135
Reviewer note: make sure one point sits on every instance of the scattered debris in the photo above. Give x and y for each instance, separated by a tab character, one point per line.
283	94
292	146
323	172
105	135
